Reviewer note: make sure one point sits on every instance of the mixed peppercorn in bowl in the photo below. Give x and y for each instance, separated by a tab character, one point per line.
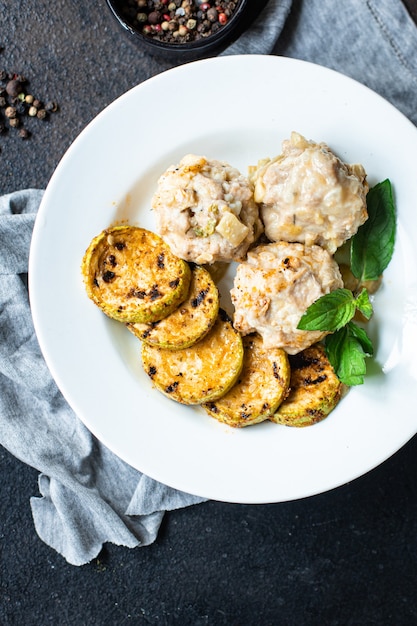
188	29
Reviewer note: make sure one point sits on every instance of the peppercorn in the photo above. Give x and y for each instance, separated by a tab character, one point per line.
14	88
154	17
16	103
212	15
51	106
20	108
10	112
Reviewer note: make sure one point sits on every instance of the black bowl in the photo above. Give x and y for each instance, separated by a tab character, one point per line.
189	50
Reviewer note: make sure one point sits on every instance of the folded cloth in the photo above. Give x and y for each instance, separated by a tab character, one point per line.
263	34
89	496
372	41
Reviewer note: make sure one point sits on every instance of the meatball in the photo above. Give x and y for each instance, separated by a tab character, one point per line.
205	211
276	285
308	195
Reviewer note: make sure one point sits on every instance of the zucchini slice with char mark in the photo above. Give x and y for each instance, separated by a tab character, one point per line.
132	275
202	372
190	322
315	389
261	387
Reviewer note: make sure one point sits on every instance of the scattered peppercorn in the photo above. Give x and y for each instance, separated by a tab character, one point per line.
51	106
14	87
178	21
17	103
10	112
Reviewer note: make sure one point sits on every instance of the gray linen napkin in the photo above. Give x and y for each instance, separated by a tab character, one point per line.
263	34
373	41
89	496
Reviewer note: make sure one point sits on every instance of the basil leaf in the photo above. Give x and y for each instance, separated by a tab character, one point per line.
334	345
373	245
362	337
347	355
363	303
330	312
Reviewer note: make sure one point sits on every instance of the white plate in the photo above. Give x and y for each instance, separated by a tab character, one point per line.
238	109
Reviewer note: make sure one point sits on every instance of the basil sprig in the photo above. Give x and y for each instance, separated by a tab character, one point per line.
334	310
348	345
371	250
372	247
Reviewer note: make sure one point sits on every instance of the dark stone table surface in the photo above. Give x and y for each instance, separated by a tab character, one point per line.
346	557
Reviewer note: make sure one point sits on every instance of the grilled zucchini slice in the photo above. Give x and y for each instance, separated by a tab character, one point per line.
261	387
132	275
191	321
201	373
315	389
